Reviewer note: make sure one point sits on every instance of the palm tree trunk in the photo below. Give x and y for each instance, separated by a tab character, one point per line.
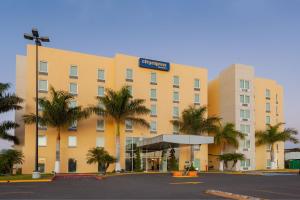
221	167
57	152
272	157
118	165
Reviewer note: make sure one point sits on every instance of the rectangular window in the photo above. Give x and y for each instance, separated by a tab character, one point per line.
128	125
268	147
73	88
43	68
268	107
153	127
176	81
73	126
175	129
101	75
196	83
153	78
153	110
245	114
100	125
42	140
73	71
244	84
176	96
245	129
245	163
100	91
268	94
100	141
72	104
42	127
197	98
247	85
175	112
129	74
72	141
43	86
246	144
268	120
130	90
153	94
244	99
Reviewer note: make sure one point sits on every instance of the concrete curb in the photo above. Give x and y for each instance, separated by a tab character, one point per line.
229	195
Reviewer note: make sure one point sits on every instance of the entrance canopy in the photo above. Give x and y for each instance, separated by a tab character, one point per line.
166	141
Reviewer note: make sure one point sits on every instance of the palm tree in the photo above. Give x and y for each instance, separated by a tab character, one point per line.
235	157
193	121
101	157
9	158
227	135
8	102
57	113
120	106
272	135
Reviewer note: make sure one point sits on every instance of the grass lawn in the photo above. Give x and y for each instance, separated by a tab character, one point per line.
24	177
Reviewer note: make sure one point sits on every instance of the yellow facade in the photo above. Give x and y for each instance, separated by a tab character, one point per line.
59	63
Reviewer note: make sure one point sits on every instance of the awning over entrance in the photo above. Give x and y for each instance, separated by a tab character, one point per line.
166	141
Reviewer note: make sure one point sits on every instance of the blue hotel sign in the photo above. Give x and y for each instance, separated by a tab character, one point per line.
154	64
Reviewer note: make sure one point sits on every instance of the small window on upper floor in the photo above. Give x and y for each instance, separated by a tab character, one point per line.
43	67
101	75
73	71
196	98
73	88
175	112
130	90
100	141
268	107
245	128
244	99
100	125
175	129
129	74
153	110
196	84
72	104
268	120
128	125
268	94
43	86
101	91
153	78
153	127
246	144
245	84
245	114
73	126
175	96
72	141
153	95
42	140
176	81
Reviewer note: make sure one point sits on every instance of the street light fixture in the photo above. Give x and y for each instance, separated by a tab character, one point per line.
38	42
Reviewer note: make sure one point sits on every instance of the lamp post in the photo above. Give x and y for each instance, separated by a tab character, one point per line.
38	42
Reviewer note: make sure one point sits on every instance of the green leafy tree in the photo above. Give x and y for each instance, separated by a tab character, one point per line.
8	102
227	135
172	162
101	157
275	134
9	158
137	161
194	121
59	114
234	157
120	106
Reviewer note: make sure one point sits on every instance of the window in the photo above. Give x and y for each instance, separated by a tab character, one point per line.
197	98
176	81
268	120
72	104
129	74
196	83
153	78
128	125
43	68
73	125
245	129
175	129
41	167
268	163
153	127
244	99
42	140
72	141
101	75
268	147
175	112
100	141
42	127
244	84
100	91
268	94
100	125
176	96
73	88
153	110
73	71
43	86
245	114
153	94
130	90
246	144
40	108
245	163
268	107
276	98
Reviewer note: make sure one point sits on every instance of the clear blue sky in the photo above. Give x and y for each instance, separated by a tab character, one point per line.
212	33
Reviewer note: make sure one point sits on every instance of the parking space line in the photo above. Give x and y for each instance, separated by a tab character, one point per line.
185	183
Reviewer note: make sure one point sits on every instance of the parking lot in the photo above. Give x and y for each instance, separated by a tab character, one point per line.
156	186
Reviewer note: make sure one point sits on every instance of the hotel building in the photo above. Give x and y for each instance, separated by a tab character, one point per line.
168	88
239	97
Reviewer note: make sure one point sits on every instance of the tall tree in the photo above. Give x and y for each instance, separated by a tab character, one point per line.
274	134
227	135
8	102
59	114
120	106
193	121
